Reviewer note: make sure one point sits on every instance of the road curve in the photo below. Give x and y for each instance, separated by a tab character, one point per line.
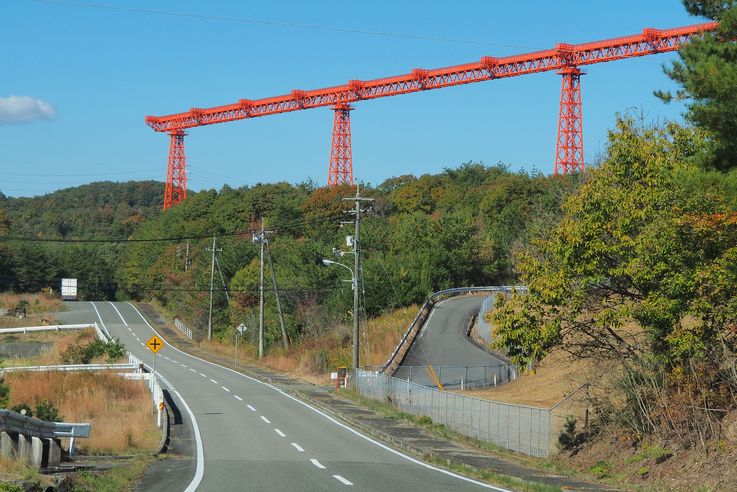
442	342
254	436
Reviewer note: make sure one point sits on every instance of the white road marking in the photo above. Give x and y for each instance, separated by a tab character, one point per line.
116	310
226	389
341	479
204	376
192	370
252	409
200	470
237	397
167	358
298	447
265	419
213	381
183	365
174	361
129	329
281	434
317	463
326	416
104	328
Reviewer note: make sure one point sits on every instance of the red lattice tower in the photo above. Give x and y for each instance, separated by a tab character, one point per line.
569	147
341	156
176	176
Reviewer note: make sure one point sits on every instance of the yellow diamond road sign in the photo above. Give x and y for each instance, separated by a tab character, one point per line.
154	344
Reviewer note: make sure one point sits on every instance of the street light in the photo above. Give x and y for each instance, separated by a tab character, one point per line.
354	283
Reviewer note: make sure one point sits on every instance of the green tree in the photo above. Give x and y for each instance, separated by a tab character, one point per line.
707	72
635	248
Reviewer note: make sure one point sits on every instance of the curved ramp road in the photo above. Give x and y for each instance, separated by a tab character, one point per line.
253	436
443	341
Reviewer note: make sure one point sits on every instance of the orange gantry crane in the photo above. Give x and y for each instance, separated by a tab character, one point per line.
565	58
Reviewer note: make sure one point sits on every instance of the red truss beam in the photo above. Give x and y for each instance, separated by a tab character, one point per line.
650	41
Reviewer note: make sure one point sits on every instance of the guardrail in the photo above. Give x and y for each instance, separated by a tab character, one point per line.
183	328
101	333
72	367
414	328
458	377
36	442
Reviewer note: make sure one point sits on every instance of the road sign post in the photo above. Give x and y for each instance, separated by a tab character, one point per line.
154	344
240	330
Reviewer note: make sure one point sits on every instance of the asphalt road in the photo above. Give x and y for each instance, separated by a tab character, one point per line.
248	435
443	344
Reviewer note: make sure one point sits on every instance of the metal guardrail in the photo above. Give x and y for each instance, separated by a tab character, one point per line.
458	377
16	423
414	328
72	367
183	328
101	333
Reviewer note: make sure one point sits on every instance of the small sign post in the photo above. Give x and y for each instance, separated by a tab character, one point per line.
154	344
240	330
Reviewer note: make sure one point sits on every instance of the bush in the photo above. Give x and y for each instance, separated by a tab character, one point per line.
75	354
20	407
570	439
115	350
4	394
47	411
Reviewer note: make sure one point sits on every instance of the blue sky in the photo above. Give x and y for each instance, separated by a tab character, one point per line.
102	70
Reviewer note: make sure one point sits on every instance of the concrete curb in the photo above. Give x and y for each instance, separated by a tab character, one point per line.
164	443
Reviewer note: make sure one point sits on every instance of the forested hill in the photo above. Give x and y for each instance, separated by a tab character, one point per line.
96	210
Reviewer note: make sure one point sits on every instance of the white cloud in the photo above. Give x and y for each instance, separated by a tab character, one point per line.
24	109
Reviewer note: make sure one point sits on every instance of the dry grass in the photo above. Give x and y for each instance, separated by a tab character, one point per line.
379	337
38	303
61	339
120	411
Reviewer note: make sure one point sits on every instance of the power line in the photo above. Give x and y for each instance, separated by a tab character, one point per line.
284	227
288	25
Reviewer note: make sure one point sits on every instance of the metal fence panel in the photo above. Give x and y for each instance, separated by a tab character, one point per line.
517	427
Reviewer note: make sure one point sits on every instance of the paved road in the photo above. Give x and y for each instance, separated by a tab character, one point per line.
254	436
443	344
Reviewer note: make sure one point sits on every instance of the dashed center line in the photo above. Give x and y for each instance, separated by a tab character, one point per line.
226	389
174	361
167	358
341	479
298	447
213	381
237	397
265	419
203	375
281	434
317	463
183	365
192	370
252	409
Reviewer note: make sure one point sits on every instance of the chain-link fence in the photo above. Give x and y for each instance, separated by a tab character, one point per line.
458	377
517	427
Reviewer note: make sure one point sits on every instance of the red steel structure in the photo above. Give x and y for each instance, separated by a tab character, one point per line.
565	58
569	146
176	176
341	156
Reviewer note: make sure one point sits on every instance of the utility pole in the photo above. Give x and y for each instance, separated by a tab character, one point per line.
212	279
357	268
278	301
186	258
261	297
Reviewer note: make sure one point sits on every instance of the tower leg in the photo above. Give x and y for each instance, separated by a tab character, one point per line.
341	155
569	147
176	176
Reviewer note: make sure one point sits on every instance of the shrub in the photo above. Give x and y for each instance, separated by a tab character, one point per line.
47	411
4	394
20	407
115	350
570	439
